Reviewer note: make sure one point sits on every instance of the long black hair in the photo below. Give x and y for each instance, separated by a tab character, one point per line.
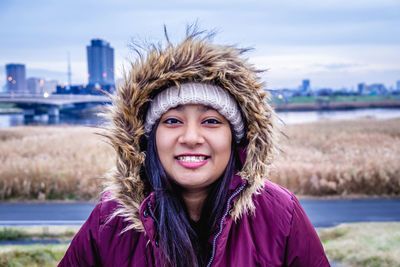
182	244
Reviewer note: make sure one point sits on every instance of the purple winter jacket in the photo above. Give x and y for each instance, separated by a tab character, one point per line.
277	234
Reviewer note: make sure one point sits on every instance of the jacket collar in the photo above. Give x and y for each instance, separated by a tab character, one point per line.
146	208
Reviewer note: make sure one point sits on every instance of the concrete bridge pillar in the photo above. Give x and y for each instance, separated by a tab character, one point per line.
53	112
29	113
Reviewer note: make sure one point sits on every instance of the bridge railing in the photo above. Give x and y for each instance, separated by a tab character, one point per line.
53	96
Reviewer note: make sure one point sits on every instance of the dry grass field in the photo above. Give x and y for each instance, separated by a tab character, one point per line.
319	159
52	163
353	157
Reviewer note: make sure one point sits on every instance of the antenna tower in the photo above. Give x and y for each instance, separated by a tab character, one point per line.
69	71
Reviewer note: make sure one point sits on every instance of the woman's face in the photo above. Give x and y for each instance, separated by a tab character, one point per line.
194	145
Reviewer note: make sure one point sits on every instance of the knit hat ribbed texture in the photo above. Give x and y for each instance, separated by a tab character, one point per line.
196	93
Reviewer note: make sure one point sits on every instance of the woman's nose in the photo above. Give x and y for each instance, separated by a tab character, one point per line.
191	135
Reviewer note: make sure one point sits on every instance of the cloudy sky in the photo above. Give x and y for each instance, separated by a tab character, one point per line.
334	43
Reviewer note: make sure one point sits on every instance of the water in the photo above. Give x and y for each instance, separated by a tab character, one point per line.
296	117
10	120
291	117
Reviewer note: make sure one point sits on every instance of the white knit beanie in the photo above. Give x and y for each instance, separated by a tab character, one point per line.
196	93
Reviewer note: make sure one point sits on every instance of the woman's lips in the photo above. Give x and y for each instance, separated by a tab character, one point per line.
192	161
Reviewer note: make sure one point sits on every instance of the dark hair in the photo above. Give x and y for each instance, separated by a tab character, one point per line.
180	244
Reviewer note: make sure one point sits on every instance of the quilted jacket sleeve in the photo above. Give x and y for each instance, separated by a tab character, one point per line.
83	250
303	247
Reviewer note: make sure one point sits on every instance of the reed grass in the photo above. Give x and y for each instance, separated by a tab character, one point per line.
341	158
52	163
320	159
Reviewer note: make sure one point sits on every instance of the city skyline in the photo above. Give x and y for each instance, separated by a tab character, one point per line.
334	43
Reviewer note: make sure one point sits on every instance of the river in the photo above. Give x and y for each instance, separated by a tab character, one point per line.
291	117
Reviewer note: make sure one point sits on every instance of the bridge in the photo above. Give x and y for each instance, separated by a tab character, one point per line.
51	104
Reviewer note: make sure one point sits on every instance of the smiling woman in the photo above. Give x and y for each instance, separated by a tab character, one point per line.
194	145
194	139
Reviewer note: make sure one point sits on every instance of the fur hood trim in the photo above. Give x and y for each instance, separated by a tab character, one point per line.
195	59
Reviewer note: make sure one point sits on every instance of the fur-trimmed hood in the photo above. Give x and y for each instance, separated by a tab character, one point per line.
195	59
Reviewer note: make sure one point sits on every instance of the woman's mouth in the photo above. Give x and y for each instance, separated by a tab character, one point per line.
192	161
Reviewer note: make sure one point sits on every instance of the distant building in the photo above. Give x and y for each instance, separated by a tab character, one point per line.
4	88
100	56
16	78
324	92
40	86
372	89
398	85
305	86
377	88
73	89
83	89
50	87
304	89
361	88
34	85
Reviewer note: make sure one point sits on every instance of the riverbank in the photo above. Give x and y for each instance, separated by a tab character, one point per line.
325	105
324	159
6	108
294	104
355	244
363	244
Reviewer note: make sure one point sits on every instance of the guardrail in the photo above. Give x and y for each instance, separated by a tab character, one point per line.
55	96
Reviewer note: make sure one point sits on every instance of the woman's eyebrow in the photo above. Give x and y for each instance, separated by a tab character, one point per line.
201	108
205	108
178	108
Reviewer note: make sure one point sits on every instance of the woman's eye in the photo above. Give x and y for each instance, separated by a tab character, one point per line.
211	121
171	121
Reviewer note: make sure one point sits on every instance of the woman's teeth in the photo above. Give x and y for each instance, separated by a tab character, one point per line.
191	158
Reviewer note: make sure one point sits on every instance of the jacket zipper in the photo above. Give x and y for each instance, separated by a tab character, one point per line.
221	222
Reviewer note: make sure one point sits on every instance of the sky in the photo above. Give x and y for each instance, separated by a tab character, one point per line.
334	43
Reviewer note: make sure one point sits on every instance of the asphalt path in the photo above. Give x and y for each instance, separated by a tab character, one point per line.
322	213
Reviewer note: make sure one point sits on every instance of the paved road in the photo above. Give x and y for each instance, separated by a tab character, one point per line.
322	213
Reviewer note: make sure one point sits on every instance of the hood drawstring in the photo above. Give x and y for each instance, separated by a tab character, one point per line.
156	221
222	221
